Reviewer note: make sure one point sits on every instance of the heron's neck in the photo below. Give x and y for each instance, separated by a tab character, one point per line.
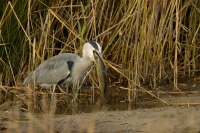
81	67
87	55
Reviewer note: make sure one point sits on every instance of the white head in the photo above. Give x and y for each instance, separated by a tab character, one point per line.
88	49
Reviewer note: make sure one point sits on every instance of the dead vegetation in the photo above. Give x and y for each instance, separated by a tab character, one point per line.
145	43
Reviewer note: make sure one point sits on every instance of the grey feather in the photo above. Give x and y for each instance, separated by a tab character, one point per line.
52	70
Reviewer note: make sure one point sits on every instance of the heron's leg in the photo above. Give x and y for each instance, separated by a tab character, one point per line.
67	91
52	95
54	87
75	90
75	93
74	99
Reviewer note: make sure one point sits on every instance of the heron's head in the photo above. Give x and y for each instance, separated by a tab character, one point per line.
88	49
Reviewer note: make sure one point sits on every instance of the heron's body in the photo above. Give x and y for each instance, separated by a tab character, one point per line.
64	68
58	70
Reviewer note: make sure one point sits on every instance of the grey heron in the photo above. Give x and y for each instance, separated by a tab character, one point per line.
65	68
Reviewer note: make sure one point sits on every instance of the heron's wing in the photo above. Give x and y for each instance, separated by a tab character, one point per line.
53	70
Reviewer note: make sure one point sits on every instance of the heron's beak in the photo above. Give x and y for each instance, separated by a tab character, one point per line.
98	55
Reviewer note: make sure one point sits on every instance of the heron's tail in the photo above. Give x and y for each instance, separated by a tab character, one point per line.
25	81
28	79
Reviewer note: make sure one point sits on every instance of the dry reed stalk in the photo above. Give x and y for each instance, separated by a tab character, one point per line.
148	42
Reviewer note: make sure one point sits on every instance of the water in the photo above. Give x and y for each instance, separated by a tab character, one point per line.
16	99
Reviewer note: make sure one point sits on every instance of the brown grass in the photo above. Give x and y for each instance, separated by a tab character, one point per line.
145	43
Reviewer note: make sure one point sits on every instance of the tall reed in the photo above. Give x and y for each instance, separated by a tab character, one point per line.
145	42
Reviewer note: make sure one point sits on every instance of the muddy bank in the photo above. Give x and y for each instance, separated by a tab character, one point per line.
155	120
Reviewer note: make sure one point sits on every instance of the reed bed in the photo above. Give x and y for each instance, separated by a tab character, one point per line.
145	42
